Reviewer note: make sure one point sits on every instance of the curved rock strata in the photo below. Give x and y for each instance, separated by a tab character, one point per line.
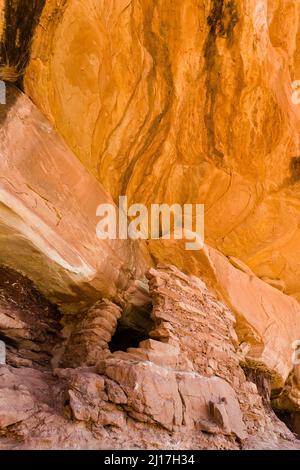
128	344
48	219
185	102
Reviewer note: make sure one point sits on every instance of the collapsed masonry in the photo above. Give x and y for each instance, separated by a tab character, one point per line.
182	387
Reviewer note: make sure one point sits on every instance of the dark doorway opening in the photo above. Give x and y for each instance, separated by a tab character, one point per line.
133	327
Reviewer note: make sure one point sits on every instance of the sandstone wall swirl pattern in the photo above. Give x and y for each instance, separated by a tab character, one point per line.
184	101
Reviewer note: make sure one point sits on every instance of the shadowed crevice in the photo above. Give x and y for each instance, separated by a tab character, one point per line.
20	20
29	324
133	327
295	170
222	20
12	94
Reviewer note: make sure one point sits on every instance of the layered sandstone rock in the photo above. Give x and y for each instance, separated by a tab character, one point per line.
165	102
182	102
91	334
29	325
18	20
184	388
268	321
48	219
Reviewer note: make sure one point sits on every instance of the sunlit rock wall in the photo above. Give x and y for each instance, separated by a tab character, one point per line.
184	101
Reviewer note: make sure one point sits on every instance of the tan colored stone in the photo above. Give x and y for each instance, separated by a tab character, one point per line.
240	265
15	406
90	334
151	390
164	101
115	393
277	283
176	399
48	217
206	398
267	319
187	102
128	401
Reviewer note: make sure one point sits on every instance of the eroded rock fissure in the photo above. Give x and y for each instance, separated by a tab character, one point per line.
29	324
20	20
222	20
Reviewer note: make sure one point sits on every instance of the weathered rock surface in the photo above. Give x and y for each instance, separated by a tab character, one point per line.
268	321
18	20
91	334
29	324
183	387
186	101
48	220
166	102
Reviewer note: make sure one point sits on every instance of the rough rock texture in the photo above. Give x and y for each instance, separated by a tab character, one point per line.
186	101
18	20
268	321
91	334
106	344
29	325
183	387
48	219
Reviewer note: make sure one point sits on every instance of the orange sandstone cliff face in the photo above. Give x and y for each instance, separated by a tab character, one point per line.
48	214
115	343
181	102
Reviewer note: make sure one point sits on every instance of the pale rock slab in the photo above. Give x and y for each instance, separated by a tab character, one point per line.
48	203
